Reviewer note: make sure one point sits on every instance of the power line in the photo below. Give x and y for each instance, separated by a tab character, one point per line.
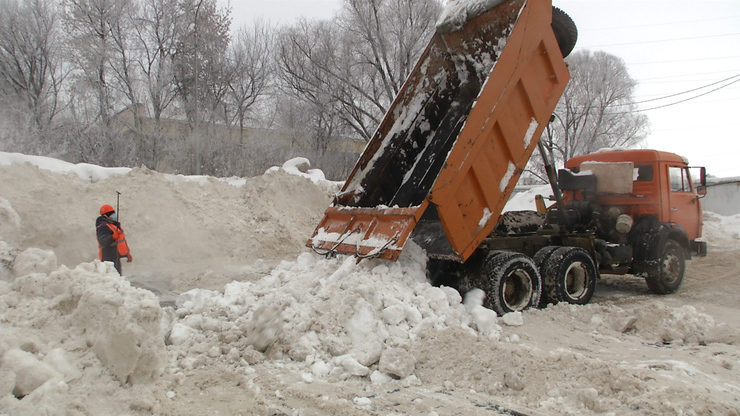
686	99
652	25
699	127
721	35
688	91
735	78
691	74
716	58
681	82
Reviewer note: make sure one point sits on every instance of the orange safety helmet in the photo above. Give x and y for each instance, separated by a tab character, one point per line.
106	209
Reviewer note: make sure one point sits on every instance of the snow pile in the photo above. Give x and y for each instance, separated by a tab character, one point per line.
50	317
299	334
523	199
672	325
300	166
184	232
721	232
338	319
84	171
656	323
121	323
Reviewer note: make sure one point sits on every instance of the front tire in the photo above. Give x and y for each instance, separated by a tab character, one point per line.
666	274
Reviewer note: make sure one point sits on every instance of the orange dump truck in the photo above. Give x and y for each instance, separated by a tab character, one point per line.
446	157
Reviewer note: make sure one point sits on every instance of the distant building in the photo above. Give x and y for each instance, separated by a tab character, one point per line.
723	196
126	120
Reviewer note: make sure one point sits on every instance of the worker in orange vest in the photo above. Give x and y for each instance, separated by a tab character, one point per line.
111	239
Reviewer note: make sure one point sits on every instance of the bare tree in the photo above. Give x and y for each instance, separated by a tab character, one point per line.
597	109
308	57
252	70
389	35
201	44
361	63
123	59
30	63
198	61
124	66
156	30
89	24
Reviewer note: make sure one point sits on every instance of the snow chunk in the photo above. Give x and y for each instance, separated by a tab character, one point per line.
530	132
507	177
34	260
397	362
121	323
300	166
265	327
484	219
7	382
30	372
457	12
352	366
8	216
513	319
484	319
180	334
362	401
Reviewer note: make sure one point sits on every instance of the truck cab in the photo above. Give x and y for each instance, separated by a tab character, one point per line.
647	185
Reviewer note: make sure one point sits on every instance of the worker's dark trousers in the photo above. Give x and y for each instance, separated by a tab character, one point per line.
113	257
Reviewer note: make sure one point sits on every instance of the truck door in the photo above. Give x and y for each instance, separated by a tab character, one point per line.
684	208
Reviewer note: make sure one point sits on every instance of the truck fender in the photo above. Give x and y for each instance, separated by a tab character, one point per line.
648	239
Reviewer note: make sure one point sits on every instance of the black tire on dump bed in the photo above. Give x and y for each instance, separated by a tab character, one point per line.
513	282
665	275
540	259
565	30
570	276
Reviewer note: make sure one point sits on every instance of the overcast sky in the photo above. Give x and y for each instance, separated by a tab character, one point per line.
670	47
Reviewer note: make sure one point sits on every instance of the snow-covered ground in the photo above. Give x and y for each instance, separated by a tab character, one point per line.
225	311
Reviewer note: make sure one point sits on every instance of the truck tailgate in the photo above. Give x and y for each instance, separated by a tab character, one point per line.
365	232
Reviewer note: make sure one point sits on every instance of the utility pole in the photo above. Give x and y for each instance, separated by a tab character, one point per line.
196	65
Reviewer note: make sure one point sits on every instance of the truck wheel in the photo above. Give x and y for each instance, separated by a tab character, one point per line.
540	259
666	274
513	283
565	30
570	276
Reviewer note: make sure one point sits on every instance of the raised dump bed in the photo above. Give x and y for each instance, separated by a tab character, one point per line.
454	142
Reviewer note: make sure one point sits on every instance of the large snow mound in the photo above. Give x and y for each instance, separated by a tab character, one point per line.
256	323
50	318
337	317
234	229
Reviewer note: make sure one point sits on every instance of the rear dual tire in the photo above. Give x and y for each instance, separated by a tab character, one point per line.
510	281
568	275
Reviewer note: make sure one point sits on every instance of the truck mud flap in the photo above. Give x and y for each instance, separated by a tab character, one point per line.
365	232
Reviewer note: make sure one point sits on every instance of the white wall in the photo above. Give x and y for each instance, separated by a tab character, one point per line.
723	197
